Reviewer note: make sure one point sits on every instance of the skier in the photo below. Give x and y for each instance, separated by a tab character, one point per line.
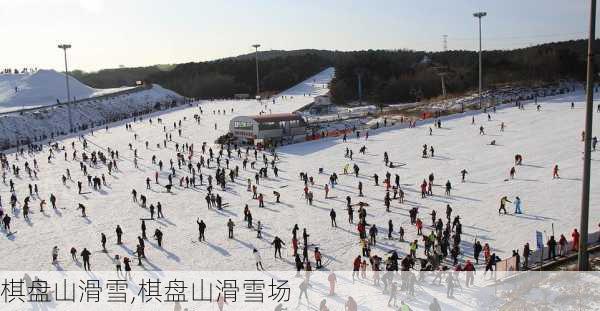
201	229
144	230
85	254
230	226
555	172
448	187
119	232
318	264
463	173
503	202
80	206
258	259
373	234
103	241
117	263
448	212
332	216
54	254
158	235
518	205
73	253
277	242
477	248
356	267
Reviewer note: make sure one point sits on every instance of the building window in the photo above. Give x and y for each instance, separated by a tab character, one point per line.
242	125
269	126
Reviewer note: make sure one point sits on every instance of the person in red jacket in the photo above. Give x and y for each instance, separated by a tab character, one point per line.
575	236
423	189
419	225
361	230
469	272
356	267
318	258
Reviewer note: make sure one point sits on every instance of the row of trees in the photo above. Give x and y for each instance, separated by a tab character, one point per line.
387	76
110	78
224	78
404	76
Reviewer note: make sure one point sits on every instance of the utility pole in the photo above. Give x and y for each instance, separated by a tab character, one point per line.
582	258
64	47
479	15
256	46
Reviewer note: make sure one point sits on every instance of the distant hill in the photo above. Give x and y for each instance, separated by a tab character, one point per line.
267	55
226	77
117	77
388	76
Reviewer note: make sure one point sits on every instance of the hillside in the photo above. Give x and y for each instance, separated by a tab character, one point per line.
388	76
42	88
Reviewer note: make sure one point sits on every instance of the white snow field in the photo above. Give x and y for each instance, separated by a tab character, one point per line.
43	122
545	138
42	88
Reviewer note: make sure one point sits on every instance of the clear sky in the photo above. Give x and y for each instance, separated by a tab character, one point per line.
109	33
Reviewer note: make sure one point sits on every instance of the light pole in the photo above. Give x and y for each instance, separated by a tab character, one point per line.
64	47
582	258
256	46
479	15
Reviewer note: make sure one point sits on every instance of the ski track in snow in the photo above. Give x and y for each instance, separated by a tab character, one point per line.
552	136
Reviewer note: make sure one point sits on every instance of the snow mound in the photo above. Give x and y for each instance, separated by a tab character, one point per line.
42	88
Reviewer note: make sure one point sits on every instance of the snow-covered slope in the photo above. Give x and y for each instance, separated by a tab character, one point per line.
47	122
313	86
545	138
42	88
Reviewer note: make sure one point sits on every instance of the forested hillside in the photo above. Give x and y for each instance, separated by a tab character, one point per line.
387	76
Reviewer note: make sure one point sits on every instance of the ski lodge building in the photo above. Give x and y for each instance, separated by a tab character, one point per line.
267	129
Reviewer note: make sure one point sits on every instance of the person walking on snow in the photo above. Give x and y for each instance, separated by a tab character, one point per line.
201	229
332	215
230	226
555	172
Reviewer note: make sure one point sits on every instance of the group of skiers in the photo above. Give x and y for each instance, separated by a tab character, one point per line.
440	240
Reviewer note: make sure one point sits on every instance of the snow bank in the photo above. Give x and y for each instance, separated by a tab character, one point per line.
42	88
51	121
